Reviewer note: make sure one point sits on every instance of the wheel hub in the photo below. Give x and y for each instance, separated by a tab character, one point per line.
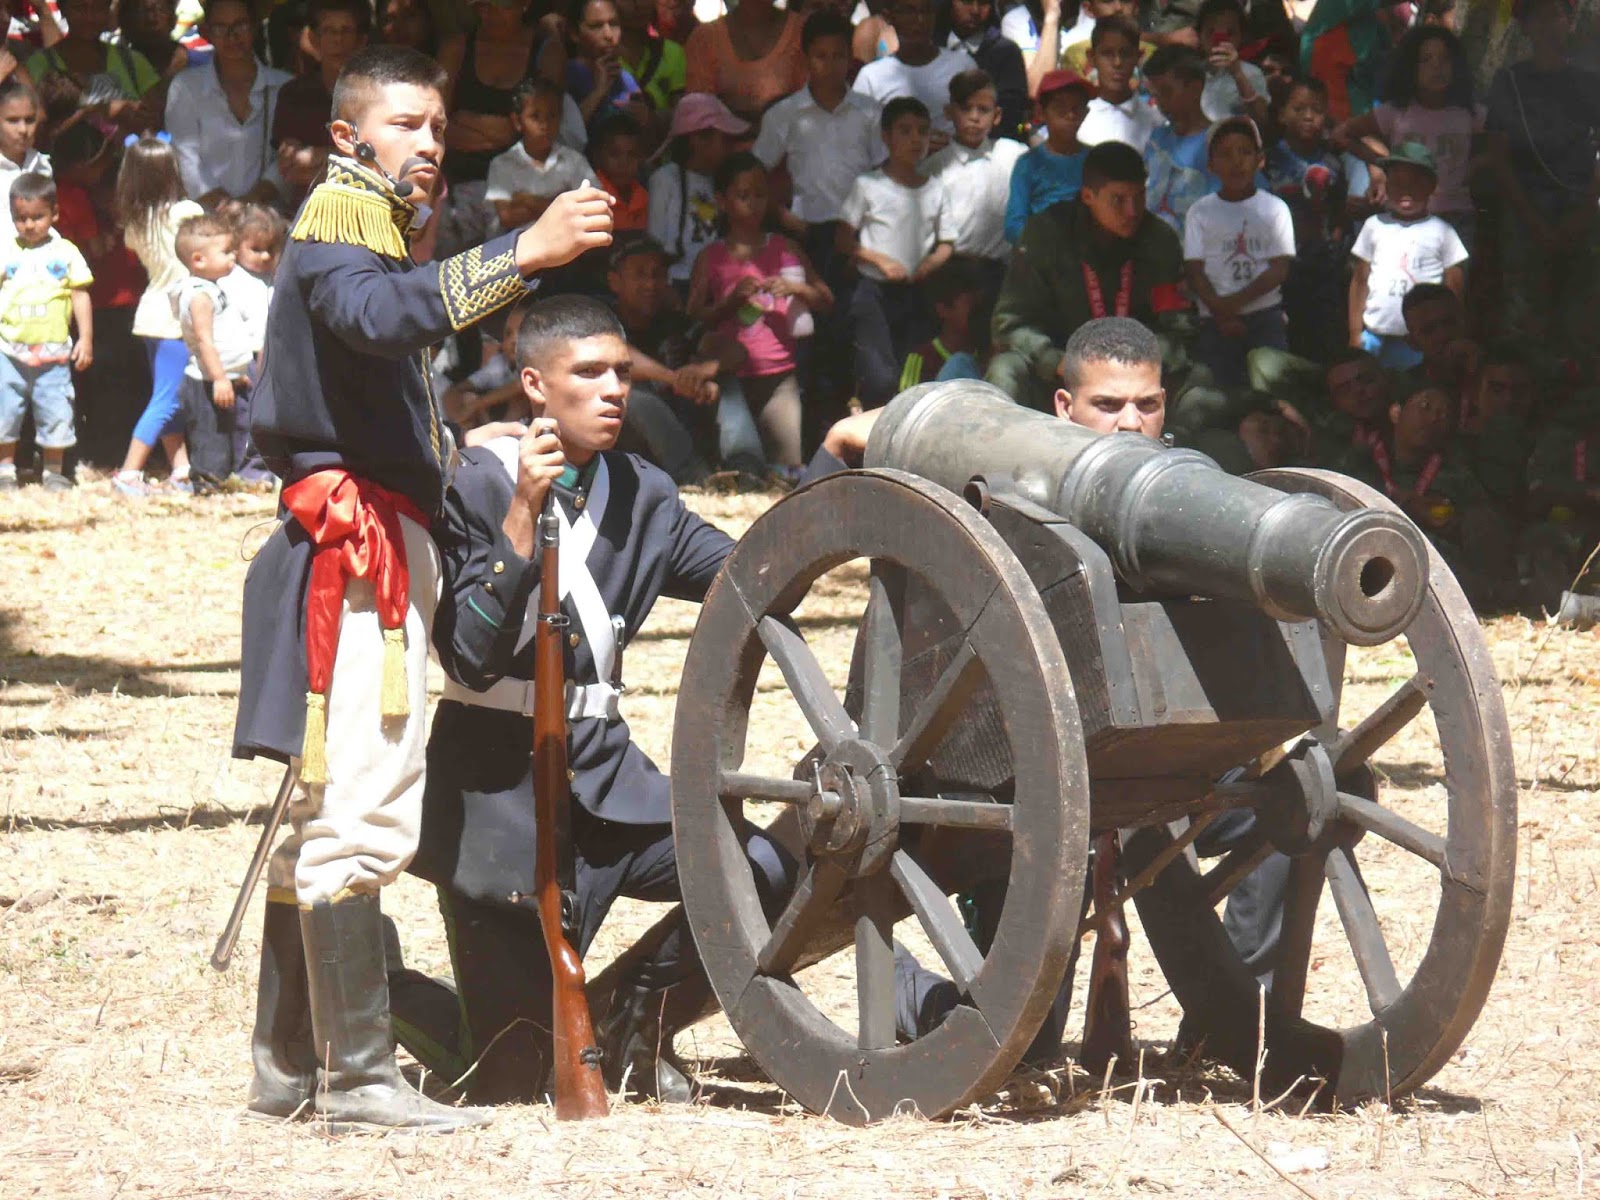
854	811
1302	801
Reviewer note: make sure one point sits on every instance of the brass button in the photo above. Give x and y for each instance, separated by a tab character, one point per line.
577	502
488	587
499	568
573	640
571	774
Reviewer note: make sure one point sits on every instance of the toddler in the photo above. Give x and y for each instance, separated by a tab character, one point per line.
44	287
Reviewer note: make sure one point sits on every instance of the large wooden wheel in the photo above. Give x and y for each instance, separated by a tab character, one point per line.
870	852
1456	845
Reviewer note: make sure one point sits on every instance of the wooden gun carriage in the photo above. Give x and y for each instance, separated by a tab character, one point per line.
1067	634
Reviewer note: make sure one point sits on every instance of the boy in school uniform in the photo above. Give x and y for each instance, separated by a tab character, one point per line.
975	170
1119	113
897	228
339	603
920	68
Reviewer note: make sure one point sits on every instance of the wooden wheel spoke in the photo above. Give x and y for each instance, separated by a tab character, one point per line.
955	814
807	681
1352	749
1235	865
1288	994
939	920
1392	827
734	785
881	633
938	710
809	904
1360	921
875	909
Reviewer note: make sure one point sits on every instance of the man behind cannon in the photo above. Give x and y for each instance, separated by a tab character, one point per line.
627	539
339	603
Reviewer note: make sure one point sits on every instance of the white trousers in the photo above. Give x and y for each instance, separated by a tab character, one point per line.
358	831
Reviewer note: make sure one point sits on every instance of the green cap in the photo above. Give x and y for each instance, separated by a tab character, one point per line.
1411	154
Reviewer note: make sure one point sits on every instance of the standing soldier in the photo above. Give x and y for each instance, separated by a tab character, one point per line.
339	604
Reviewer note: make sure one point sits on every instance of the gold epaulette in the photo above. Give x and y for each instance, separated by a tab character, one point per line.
346	208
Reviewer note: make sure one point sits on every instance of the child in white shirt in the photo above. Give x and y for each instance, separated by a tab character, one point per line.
1395	251
975	170
524	179
896	226
1237	247
221	337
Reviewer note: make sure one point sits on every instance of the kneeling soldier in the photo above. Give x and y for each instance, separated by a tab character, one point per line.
626	539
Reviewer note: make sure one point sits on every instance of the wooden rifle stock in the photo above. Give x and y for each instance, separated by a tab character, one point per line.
1107	1026
580	1091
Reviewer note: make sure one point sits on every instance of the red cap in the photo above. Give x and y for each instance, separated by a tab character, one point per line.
1060	80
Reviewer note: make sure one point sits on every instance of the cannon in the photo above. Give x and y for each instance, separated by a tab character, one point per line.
1064	635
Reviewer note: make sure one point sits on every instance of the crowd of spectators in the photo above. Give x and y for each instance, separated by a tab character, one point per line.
1365	233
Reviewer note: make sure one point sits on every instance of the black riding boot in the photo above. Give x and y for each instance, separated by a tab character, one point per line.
360	1086
281	1047
636	1047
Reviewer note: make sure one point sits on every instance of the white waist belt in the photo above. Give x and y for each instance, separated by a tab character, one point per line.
516	695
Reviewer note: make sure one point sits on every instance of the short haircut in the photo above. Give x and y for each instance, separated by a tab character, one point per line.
958	277
33	186
1345	355
1109	339
634	244
359	9
1503	352
902	106
1212	9
1183	63
378	67
967	84
537	87
1113	162
1107	26
824	24
609	128
1426	293
735	165
209	6
195	230
567	318
1304	83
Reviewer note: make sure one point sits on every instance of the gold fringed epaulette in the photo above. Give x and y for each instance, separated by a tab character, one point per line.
354	207
350	217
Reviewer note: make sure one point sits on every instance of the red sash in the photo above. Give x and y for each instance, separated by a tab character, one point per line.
355	526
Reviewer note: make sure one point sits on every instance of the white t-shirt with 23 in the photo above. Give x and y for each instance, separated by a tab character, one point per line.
1403	254
1237	240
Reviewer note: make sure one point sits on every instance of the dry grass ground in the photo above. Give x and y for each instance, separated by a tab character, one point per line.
124	828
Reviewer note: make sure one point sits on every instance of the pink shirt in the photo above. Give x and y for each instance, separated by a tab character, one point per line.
746	85
1447	133
762	324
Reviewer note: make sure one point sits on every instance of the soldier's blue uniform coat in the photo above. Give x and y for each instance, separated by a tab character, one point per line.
345	383
477	825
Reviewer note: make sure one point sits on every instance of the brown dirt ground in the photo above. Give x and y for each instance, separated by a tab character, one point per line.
123	1055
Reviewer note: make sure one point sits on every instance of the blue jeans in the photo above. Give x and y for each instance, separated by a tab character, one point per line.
164	412
1226	355
48	390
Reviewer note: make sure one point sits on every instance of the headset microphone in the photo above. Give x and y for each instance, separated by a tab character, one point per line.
402	187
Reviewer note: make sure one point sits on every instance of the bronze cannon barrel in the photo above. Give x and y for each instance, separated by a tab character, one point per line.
1171	520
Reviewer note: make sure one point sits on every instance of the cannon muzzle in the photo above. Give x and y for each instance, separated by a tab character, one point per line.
1171	520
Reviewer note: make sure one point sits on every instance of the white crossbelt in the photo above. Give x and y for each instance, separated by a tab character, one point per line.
516	695
578	537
